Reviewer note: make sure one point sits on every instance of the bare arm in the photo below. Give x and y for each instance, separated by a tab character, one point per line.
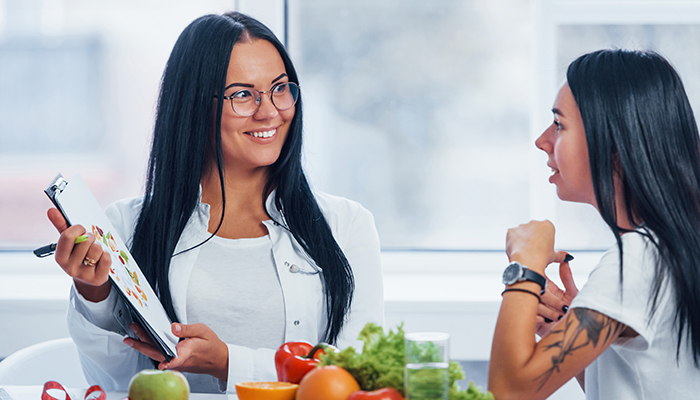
522	368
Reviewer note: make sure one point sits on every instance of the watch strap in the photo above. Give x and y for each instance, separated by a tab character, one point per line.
532	276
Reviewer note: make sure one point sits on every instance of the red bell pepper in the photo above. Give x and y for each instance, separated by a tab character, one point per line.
294	359
381	394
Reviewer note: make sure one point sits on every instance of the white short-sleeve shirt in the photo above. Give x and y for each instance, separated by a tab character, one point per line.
643	367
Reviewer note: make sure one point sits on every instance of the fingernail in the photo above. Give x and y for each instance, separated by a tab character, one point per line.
547	320
568	258
177	328
128	342
559	319
565	308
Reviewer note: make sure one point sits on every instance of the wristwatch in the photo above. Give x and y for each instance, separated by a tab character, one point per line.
516	272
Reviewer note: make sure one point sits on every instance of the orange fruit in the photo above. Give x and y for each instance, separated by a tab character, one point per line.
327	383
266	390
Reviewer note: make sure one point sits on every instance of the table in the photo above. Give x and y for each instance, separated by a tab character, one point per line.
34	393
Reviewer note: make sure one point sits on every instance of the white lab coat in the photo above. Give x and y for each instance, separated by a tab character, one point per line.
107	361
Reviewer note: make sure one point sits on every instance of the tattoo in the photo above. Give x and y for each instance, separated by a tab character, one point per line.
597	327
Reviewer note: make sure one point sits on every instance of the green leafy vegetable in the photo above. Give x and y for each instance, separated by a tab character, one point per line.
381	363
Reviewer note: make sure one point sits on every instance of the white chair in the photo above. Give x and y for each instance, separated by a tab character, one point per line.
53	360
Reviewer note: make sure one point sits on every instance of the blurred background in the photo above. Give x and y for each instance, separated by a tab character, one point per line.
424	111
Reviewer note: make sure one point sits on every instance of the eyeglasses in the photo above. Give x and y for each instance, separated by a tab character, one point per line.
246	102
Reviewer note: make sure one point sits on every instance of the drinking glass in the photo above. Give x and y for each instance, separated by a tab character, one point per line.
427	361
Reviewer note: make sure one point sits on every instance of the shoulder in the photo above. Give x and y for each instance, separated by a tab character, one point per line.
625	297
639	243
123	214
345	217
639	256
638	250
339	210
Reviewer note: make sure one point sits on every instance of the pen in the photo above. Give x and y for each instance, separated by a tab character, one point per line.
47	250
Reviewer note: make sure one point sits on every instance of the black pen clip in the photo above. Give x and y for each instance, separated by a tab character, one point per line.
45	251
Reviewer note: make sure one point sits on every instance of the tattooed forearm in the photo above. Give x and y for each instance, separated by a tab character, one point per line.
593	328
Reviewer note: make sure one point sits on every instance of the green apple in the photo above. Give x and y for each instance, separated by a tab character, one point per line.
153	384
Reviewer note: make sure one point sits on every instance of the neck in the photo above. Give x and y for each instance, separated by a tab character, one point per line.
245	208
623	220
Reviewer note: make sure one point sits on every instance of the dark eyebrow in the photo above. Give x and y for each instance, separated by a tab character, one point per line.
278	78
557	111
248	85
240	84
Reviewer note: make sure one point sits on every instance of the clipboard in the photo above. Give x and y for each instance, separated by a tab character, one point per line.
138	302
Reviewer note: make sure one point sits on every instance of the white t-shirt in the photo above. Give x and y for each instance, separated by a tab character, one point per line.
234	289
644	367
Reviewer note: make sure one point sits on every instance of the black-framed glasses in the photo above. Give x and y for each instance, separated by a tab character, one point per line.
246	102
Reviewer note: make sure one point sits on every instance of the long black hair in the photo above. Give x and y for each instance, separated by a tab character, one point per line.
194	75
639	126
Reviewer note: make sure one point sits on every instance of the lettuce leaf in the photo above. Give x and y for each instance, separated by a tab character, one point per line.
381	363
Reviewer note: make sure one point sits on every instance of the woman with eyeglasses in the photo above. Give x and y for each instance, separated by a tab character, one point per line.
624	139
242	253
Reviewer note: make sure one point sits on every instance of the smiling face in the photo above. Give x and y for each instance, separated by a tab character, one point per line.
565	144
254	142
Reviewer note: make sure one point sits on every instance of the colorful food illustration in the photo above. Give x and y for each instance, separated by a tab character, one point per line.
120	272
141	293
111	242
114	273
137	299
123	258
97	232
134	277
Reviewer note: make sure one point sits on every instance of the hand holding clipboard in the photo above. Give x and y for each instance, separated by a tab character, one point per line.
104	258
78	254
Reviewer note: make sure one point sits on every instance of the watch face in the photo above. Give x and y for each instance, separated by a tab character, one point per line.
512	273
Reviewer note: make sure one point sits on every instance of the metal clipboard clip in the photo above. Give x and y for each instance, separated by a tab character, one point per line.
53	190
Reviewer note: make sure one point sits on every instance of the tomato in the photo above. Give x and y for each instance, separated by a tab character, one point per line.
381	394
327	383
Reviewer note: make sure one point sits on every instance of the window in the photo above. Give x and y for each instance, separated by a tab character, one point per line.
50	102
427	112
424	112
78	86
420	111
